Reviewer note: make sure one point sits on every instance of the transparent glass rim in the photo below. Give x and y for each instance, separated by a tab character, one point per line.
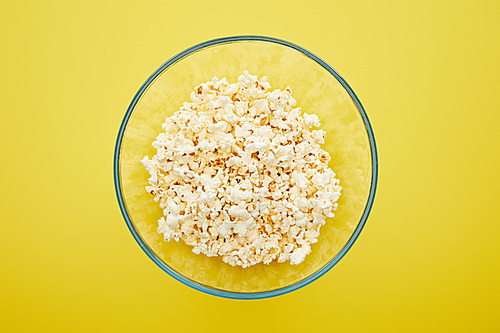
224	293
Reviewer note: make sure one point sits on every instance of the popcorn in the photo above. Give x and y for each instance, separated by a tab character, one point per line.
239	174
311	120
300	179
239	212
257	144
318	136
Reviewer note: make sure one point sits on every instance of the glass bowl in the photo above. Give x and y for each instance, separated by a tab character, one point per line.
318	89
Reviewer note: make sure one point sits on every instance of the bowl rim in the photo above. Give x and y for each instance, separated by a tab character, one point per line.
230	294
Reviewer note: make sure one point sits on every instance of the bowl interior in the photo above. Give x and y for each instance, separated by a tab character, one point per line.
316	91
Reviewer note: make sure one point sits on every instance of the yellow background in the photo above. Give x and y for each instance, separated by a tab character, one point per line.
427	73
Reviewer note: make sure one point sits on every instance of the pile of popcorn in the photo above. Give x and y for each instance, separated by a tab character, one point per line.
239	174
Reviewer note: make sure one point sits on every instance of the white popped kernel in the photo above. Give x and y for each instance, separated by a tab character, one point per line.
239	212
239	174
